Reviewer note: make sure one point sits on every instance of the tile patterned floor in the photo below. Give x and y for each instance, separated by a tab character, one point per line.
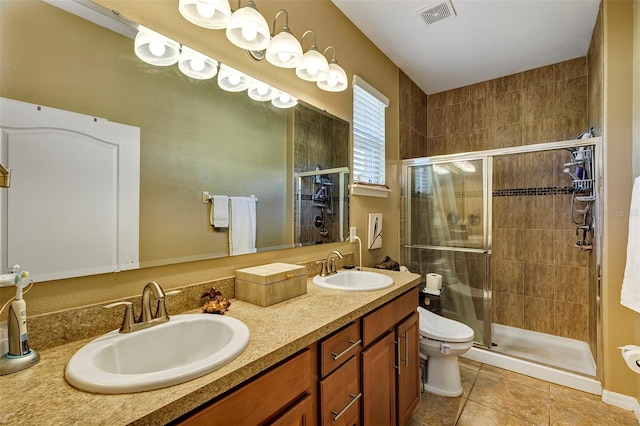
493	396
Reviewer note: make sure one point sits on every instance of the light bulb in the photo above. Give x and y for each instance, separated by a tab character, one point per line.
284	56
312	70
249	32
234	79
262	89
332	81
157	48
197	64
205	10
284	98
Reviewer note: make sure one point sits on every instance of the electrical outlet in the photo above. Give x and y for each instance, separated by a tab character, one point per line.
352	234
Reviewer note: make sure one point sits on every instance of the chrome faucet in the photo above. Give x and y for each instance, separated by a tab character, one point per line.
147	317
329	264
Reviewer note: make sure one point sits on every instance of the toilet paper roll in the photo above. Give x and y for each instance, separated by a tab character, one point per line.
434	281
631	355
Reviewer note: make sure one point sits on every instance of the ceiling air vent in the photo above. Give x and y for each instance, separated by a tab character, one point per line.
436	12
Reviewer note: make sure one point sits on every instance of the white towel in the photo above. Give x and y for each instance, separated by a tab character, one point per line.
219	217
242	226
630	294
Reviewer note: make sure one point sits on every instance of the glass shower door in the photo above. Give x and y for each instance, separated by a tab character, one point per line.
447	234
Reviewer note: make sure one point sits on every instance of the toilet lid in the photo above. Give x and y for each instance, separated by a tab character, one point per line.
436	327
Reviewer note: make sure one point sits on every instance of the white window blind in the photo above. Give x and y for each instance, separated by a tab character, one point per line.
368	132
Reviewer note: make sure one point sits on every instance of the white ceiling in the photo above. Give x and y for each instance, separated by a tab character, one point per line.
486	39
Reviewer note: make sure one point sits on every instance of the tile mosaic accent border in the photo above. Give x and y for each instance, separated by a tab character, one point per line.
550	190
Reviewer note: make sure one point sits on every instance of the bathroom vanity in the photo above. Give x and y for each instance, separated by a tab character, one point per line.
286	375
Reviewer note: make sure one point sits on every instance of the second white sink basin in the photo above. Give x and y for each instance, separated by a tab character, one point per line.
184	348
354	281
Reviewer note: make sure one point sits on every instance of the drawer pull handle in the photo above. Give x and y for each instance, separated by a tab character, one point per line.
354	398
353	345
289	276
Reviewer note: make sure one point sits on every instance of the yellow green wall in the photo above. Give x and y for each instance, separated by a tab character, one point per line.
355	53
618	321
194	136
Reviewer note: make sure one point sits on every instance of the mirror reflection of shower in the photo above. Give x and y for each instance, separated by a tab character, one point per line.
321	205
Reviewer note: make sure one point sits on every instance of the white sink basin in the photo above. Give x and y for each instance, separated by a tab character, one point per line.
354	281
184	348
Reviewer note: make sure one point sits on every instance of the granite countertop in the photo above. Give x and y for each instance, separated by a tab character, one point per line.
41	395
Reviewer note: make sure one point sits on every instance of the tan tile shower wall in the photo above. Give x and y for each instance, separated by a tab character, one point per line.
541	105
540	278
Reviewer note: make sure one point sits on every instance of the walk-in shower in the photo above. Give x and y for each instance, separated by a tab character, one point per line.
514	234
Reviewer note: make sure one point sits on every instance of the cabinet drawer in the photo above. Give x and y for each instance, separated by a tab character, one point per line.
387	316
336	349
340	395
261	398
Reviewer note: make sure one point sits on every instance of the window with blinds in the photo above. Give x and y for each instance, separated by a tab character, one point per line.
369	107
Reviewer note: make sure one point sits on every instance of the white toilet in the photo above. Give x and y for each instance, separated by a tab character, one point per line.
441	341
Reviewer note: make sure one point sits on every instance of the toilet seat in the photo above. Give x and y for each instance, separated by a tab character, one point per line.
436	327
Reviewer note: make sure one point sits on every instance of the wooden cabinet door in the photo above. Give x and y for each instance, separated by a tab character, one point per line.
301	414
340	396
408	368
379	383
260	399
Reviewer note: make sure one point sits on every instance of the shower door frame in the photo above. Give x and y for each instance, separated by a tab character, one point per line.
487	156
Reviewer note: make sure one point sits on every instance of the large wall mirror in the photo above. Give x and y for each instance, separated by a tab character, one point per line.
194	138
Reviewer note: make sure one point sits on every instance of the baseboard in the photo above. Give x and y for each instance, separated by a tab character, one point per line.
622	401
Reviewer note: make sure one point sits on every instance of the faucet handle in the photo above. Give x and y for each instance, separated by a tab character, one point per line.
172	292
325	270
128	320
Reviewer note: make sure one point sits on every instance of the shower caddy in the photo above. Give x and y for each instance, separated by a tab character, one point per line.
583	189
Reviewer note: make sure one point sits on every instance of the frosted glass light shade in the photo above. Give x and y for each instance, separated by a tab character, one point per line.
284	51
314	66
196	65
259	91
212	14
232	80
156	49
336	79
284	100
248	29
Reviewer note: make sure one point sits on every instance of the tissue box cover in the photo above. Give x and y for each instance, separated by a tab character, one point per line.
269	284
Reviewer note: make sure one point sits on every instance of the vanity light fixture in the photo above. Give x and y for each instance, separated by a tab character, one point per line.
336	80
232	80
156	49
284	100
196	65
212	14
285	50
314	66
259	91
248	29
